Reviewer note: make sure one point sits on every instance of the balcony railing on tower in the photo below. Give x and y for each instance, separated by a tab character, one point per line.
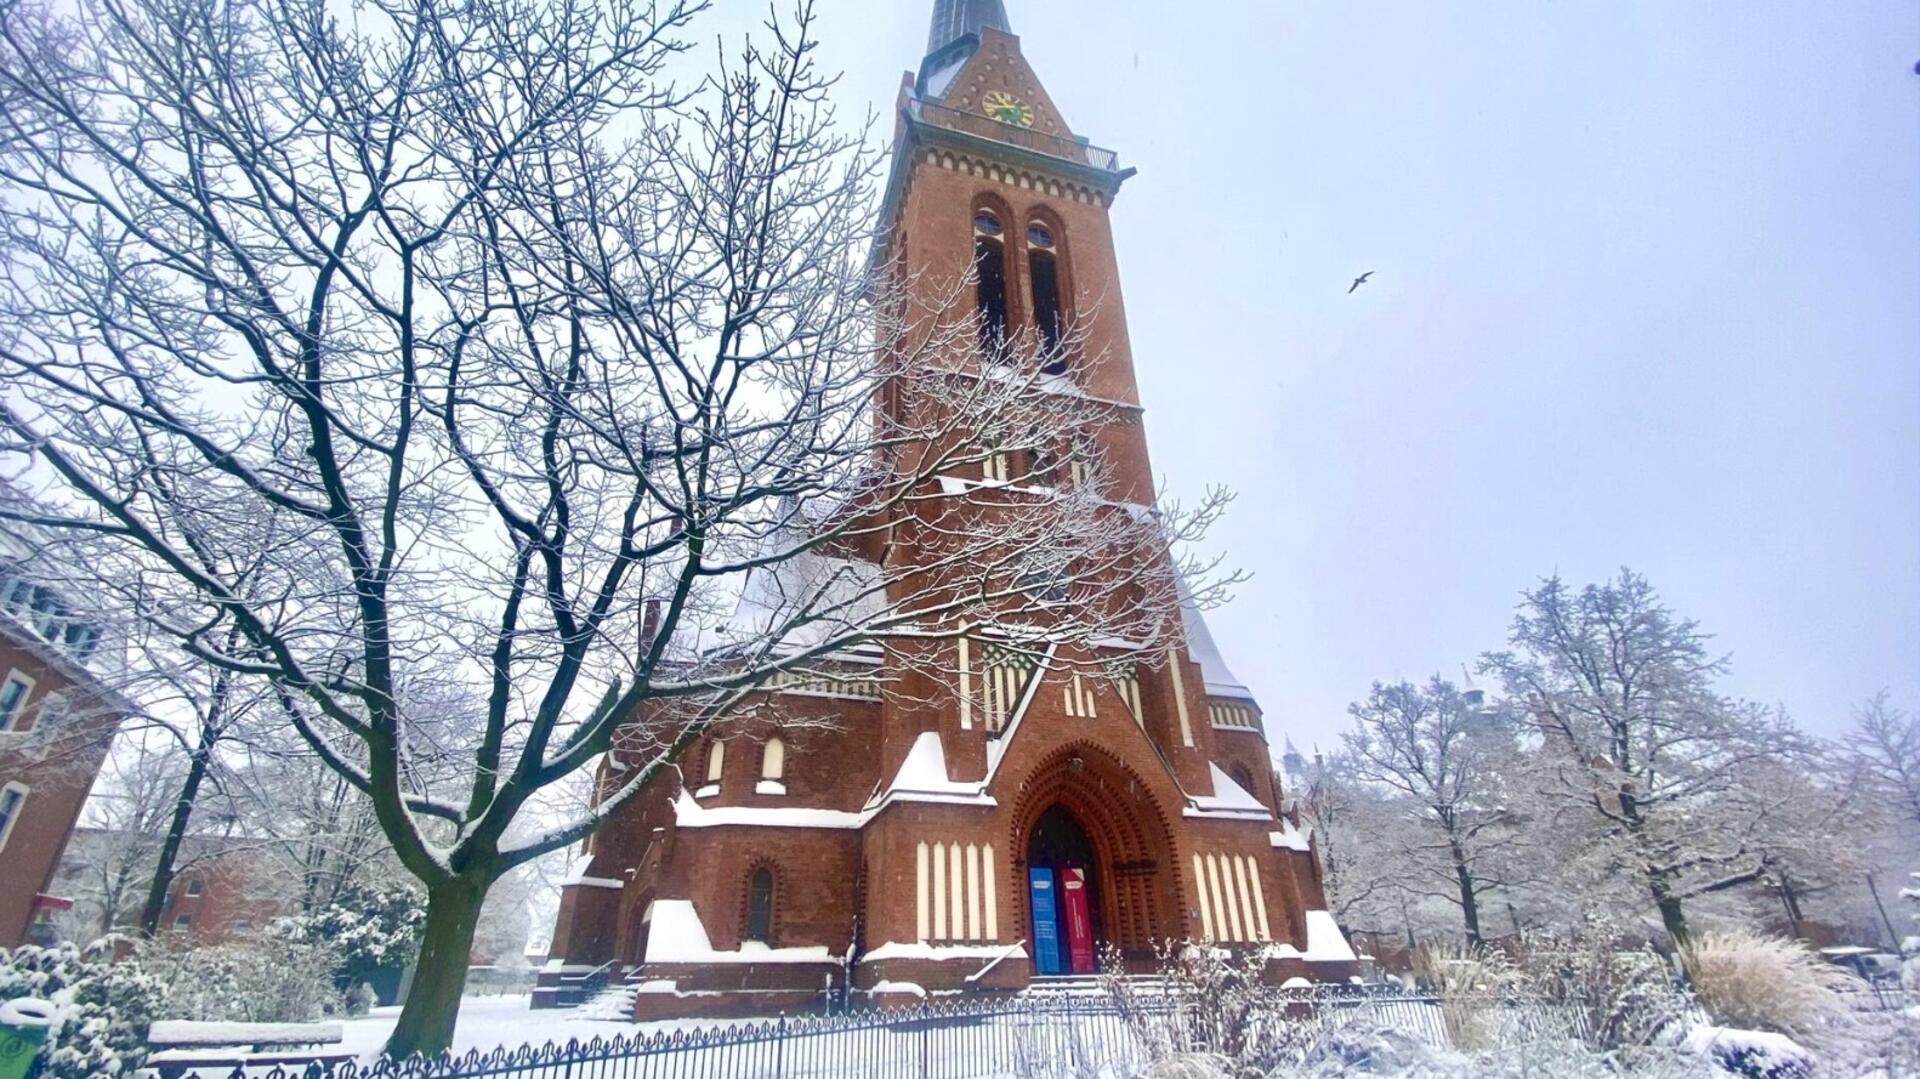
1039	142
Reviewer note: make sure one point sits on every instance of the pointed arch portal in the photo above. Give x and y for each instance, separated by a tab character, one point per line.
1096	863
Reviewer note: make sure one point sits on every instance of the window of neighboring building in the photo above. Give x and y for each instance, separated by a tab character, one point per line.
760	906
81	640
990	271
13	798
196	887
184	921
244	925
13	699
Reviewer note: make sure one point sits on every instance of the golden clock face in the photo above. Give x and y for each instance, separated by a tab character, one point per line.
1007	109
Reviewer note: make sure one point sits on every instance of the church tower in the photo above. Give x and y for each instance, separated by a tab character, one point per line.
1016	828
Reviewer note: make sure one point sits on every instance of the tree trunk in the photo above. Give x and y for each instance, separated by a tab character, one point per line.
1671	914
440	975
197	767
1469	902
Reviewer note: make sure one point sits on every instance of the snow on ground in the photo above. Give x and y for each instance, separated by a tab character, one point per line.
488	1023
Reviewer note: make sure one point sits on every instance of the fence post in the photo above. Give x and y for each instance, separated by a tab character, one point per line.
780	1049
926	1036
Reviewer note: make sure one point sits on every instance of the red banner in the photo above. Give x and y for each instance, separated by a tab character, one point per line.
1079	921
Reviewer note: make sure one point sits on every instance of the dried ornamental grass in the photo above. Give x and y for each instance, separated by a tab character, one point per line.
1753	982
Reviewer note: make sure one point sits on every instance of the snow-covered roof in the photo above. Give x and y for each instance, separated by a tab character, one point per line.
1291	838
923	777
1228	800
1325	942
1203	651
942	952
688	813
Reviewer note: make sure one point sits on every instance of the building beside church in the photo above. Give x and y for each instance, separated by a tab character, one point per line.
1019	827
58	714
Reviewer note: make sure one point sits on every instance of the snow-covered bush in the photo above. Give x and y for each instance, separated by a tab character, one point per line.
1751	1054
1752	982
106	1007
371	926
359	1000
1211	1006
1474	987
1613	993
264	980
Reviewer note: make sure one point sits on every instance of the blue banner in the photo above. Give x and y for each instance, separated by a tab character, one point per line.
1046	921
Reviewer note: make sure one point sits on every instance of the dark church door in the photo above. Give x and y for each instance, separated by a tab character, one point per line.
1062	895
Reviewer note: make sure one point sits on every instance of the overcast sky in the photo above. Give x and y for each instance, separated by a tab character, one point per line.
1646	293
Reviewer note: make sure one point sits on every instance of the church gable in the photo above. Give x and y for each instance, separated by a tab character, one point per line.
998	68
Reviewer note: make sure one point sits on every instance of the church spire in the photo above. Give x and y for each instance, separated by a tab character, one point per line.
955	19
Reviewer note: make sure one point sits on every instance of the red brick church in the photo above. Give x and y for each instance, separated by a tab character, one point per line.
1039	815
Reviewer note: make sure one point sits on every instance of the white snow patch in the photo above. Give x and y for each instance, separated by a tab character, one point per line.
1764	1050
908	988
678	936
769	786
186	1033
576	874
1325	942
691	814
940	953
1228	800
923	778
669	987
1292	838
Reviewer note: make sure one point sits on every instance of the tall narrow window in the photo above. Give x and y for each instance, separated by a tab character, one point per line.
760	906
990	267
773	760
716	765
12	798
13	699
1043	270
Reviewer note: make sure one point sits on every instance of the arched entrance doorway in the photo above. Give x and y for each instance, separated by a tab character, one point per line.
1085	823
1062	859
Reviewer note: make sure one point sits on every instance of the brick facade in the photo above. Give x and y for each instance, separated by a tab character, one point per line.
50	754
878	877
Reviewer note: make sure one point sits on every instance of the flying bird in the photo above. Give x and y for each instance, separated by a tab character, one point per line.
1358	281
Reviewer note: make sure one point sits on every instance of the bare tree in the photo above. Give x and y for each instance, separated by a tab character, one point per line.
1886	743
1452	760
109	862
448	372
1621	689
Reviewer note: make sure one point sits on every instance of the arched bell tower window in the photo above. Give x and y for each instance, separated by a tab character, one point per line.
760	906
1043	271
990	271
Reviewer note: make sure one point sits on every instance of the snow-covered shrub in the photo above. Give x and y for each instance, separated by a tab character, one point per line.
1613	993
106	1006
1211	1006
371	925
1751	982
263	980
1751	1054
1473	986
359	1000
